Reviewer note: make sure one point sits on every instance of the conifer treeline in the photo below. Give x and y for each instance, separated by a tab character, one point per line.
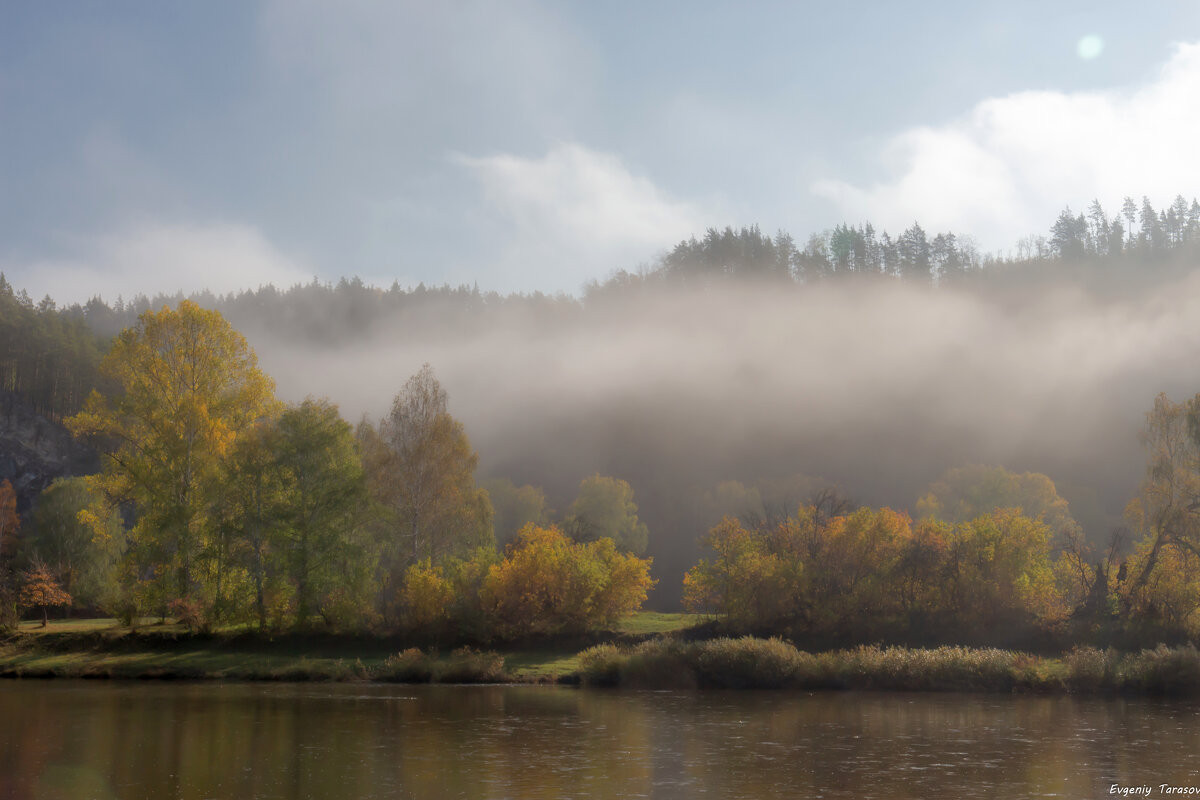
47	357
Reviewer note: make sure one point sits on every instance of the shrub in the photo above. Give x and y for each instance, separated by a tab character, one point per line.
749	662
1164	670
1090	669
464	665
187	613
548	584
471	666
407	666
601	665
424	597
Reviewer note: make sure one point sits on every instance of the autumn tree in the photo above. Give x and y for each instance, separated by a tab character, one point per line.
548	584
425	598
422	469
1167	511
39	589
184	386
867	574
853	560
604	509
1166	603
753	579
1000	573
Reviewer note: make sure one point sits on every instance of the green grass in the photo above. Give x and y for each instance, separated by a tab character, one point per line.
542	665
103	625
648	622
103	648
644	653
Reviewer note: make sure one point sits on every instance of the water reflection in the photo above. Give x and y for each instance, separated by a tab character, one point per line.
75	740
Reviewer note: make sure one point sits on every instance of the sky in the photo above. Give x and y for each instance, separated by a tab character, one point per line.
526	146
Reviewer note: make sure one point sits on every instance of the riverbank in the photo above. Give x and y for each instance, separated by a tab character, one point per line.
102	648
753	663
647	652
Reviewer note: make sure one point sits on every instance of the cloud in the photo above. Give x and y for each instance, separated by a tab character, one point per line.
576	214
1009	166
426	72
160	258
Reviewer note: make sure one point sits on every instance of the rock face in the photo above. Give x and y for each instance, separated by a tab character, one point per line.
35	450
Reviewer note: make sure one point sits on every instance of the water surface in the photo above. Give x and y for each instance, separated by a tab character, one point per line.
81	739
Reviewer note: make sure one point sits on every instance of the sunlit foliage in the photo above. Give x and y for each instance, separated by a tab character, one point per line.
547	584
184	386
753	580
40	590
873	573
425	597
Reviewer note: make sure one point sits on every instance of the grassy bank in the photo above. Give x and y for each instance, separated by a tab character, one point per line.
750	662
645	653
105	649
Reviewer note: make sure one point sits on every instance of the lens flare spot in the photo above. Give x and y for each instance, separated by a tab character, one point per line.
1089	47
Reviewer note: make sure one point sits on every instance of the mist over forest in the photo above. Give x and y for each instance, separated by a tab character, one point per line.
857	361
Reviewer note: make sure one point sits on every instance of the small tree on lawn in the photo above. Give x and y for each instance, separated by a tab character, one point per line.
41	590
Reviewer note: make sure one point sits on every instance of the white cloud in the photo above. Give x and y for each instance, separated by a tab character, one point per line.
577	214
160	258
1009	166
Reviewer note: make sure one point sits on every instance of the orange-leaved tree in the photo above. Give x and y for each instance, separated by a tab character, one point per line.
40	590
548	584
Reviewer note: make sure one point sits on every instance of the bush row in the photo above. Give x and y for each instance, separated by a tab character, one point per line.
750	662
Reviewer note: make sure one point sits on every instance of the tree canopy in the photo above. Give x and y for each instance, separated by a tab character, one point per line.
424	472
604	509
964	493
184	385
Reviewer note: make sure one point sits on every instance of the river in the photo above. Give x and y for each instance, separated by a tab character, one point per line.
88	739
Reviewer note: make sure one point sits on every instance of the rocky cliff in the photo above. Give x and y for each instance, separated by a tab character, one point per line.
35	450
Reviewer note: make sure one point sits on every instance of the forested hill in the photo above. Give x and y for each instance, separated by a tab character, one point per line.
856	357
46	355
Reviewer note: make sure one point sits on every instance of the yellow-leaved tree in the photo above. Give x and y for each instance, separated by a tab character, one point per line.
548	584
753	580
184	384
